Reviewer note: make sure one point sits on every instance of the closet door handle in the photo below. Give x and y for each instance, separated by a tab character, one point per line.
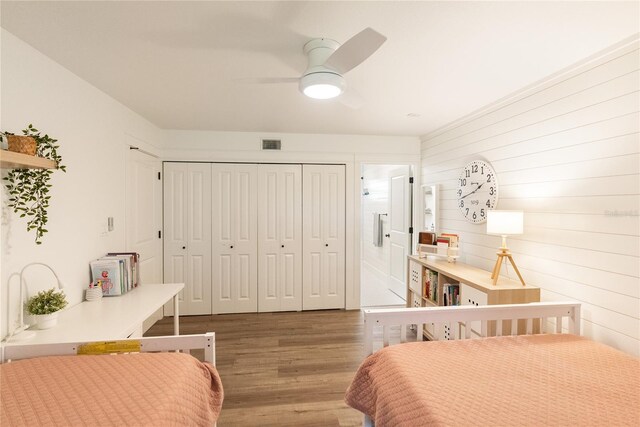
387	235
326	244
231	246
184	247
282	246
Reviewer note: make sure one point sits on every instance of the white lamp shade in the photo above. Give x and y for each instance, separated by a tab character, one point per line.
505	223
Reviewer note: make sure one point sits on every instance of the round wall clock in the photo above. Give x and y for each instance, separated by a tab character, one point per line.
477	191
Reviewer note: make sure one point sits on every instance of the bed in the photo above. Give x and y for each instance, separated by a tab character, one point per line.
542	379
142	382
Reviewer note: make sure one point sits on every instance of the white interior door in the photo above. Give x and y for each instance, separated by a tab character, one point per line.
399	223
234	238
187	234
279	238
143	220
323	236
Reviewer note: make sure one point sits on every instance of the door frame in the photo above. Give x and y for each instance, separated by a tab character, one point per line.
387	159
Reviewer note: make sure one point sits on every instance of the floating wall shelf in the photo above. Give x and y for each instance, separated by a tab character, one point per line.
11	160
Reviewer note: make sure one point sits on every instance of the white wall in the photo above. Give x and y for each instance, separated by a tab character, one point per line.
92	130
376	181
350	150
566	151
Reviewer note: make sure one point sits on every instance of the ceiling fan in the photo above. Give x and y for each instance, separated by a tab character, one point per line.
328	61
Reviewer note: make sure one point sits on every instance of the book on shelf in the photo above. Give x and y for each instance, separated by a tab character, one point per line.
451	294
453	239
116	273
134	259
106	274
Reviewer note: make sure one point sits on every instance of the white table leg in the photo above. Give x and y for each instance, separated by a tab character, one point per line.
176	316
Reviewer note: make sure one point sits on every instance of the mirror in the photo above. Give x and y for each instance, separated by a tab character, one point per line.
430	207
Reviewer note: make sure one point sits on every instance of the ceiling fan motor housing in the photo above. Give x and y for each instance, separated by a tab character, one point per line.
317	73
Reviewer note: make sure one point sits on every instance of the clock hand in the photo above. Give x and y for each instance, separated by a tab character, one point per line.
477	188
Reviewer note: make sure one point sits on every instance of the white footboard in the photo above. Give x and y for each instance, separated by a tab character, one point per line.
489	317
182	343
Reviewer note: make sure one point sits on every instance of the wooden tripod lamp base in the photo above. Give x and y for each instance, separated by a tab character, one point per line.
504	253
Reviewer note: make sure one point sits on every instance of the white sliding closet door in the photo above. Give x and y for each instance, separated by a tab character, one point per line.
279	238
234	237
187	240
324	237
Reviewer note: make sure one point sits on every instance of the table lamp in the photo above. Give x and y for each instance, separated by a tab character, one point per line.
21	333
504	223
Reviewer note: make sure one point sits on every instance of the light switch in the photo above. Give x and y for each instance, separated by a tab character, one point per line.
110	223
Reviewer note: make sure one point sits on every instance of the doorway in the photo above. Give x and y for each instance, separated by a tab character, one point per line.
386	218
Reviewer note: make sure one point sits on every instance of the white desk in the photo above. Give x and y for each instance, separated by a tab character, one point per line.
110	317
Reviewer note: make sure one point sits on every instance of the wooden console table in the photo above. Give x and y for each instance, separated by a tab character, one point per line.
475	288
110	318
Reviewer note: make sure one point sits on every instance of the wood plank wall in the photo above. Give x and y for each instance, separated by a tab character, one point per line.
567	152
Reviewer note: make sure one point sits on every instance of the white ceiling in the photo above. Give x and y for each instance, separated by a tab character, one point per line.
186	65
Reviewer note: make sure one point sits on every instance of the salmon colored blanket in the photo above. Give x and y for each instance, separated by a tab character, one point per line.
146	389
535	380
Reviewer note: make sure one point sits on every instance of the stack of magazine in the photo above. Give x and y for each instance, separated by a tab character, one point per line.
116	273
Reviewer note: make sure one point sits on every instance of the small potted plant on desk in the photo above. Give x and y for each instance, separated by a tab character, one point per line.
45	306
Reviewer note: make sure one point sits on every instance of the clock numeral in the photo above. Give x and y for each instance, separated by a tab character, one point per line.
463	182
475	216
467	211
489	178
474	169
482	170
491	192
488	203
459	193
462	203
482	213
467	174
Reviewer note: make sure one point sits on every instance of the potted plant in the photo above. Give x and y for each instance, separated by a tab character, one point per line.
45	306
29	188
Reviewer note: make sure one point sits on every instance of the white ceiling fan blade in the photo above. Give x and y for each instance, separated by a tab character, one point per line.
351	99
355	50
268	80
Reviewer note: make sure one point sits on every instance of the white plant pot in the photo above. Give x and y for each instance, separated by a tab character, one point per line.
46	321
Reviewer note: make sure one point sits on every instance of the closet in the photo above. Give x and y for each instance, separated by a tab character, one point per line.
234	215
323	237
280	238
255	237
187	234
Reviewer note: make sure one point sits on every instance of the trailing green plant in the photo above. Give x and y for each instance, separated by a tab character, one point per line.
47	302
29	188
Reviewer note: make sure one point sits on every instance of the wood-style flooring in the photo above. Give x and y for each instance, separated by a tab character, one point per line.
282	369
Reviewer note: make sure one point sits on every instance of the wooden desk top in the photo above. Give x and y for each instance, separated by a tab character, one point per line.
472	276
107	318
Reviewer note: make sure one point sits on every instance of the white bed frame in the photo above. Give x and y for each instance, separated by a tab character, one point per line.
461	315
181	343
550	315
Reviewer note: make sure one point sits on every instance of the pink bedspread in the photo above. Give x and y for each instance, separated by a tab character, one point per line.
147	389
539	380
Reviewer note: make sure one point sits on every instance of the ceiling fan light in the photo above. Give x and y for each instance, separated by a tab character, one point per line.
322	85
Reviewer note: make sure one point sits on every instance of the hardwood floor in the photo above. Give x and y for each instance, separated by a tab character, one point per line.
284	369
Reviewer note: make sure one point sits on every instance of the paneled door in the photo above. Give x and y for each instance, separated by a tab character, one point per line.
143	219
279	238
187	229
323	237
399	223
234	238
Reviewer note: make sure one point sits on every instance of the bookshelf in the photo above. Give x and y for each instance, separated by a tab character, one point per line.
475	287
12	160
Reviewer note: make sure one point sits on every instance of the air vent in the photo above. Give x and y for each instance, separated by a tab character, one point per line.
271	144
